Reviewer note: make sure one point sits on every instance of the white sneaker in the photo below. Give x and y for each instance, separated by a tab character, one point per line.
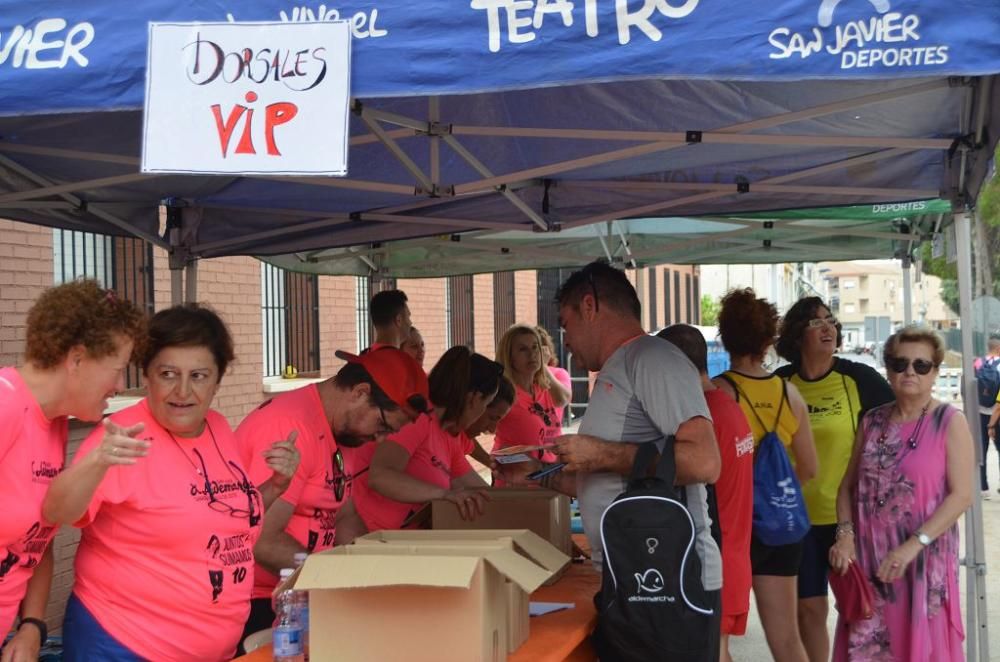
986	494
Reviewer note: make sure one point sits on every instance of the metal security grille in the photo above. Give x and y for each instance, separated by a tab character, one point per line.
689	294
461	328
667	312
122	264
651	278
697	300
290	320
362	320
677	296
504	314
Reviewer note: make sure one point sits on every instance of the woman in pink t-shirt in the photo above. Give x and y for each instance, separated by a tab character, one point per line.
79	342
551	361
164	569
425	460
532	420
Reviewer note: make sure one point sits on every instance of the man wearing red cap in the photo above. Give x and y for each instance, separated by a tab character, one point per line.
373	395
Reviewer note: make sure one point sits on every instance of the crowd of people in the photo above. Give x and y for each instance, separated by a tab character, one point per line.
185	522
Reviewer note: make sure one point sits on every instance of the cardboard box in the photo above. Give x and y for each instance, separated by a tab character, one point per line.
545	512
415	602
525	542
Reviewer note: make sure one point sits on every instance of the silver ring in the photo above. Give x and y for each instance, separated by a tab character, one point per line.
114	450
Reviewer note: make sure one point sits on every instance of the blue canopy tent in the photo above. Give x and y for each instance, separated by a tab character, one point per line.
495	116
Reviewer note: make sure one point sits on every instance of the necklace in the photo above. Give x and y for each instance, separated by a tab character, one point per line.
883	448
202	471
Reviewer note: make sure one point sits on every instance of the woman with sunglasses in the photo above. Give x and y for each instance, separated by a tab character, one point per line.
747	326
908	482
426	460
532	420
157	490
838	392
79	342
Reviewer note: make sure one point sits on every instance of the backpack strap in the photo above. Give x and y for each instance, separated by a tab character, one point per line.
732	383
753	410
666	468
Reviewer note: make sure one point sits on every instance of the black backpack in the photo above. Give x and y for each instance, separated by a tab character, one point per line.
652	604
988	381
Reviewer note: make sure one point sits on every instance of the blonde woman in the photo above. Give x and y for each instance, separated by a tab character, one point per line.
532	420
551	361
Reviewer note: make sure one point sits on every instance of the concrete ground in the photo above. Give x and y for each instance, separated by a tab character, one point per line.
753	646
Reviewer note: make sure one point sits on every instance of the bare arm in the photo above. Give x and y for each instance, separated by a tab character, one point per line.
275	549
960	459
388	476
25	643
560	394
471	480
71	491
803	447
479	454
843	551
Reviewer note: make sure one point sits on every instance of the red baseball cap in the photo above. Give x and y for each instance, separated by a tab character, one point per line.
398	374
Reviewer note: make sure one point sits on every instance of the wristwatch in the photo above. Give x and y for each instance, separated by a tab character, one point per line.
922	537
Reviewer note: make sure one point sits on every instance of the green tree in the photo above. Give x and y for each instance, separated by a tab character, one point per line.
709	310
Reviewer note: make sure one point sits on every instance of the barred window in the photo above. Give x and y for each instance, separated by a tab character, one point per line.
651	277
290	321
461	329
362	320
504	313
122	264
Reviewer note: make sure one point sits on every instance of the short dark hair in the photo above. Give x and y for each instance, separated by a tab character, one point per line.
352	374
690	341
457	373
385	306
747	324
189	325
793	325
609	286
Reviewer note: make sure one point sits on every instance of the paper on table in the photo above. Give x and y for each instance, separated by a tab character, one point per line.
512	459
523	448
542	608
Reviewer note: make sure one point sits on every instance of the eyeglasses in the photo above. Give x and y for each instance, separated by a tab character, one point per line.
537	409
340	477
218	506
899	364
818	322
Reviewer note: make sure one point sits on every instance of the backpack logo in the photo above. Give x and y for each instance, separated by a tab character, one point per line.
651	544
650	581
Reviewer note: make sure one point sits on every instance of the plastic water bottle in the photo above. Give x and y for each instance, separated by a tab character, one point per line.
287	633
302	605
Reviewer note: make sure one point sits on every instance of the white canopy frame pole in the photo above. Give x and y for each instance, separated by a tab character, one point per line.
976	634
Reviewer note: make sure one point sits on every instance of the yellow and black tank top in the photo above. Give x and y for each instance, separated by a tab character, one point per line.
836	402
763	396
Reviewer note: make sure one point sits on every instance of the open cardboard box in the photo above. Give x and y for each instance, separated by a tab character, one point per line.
424	603
544	512
525	542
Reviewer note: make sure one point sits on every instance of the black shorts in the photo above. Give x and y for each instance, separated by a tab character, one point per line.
776	560
816	561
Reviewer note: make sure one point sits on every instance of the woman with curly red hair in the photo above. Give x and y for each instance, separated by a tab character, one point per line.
80	339
748	326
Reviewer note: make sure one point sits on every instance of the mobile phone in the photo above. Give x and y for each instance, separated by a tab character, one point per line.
546	471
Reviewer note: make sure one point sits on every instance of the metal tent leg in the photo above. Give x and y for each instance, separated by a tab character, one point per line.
907	292
976	630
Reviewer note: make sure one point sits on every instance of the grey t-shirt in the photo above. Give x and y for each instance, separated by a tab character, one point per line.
644	392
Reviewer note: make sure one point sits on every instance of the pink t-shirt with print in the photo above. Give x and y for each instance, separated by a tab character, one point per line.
436	457
32	452
165	562
531	421
311	492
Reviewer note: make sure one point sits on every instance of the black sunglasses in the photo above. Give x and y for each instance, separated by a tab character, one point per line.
340	478
537	409
900	364
218	506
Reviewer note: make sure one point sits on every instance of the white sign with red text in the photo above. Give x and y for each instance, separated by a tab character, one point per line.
247	98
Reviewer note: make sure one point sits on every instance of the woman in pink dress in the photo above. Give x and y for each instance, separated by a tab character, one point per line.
906	486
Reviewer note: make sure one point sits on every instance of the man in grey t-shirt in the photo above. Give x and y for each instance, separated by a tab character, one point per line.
646	390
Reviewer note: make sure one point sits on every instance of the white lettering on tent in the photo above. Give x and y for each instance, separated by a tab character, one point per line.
519	21
46	45
852	41
363	24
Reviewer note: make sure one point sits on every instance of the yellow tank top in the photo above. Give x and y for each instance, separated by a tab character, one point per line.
763	396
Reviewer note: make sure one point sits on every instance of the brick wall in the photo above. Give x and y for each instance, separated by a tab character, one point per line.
25	271
526	297
337	321
483	313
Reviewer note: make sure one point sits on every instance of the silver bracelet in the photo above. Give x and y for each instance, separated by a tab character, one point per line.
844	529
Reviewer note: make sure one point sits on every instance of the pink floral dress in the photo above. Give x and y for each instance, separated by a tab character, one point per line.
900	485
